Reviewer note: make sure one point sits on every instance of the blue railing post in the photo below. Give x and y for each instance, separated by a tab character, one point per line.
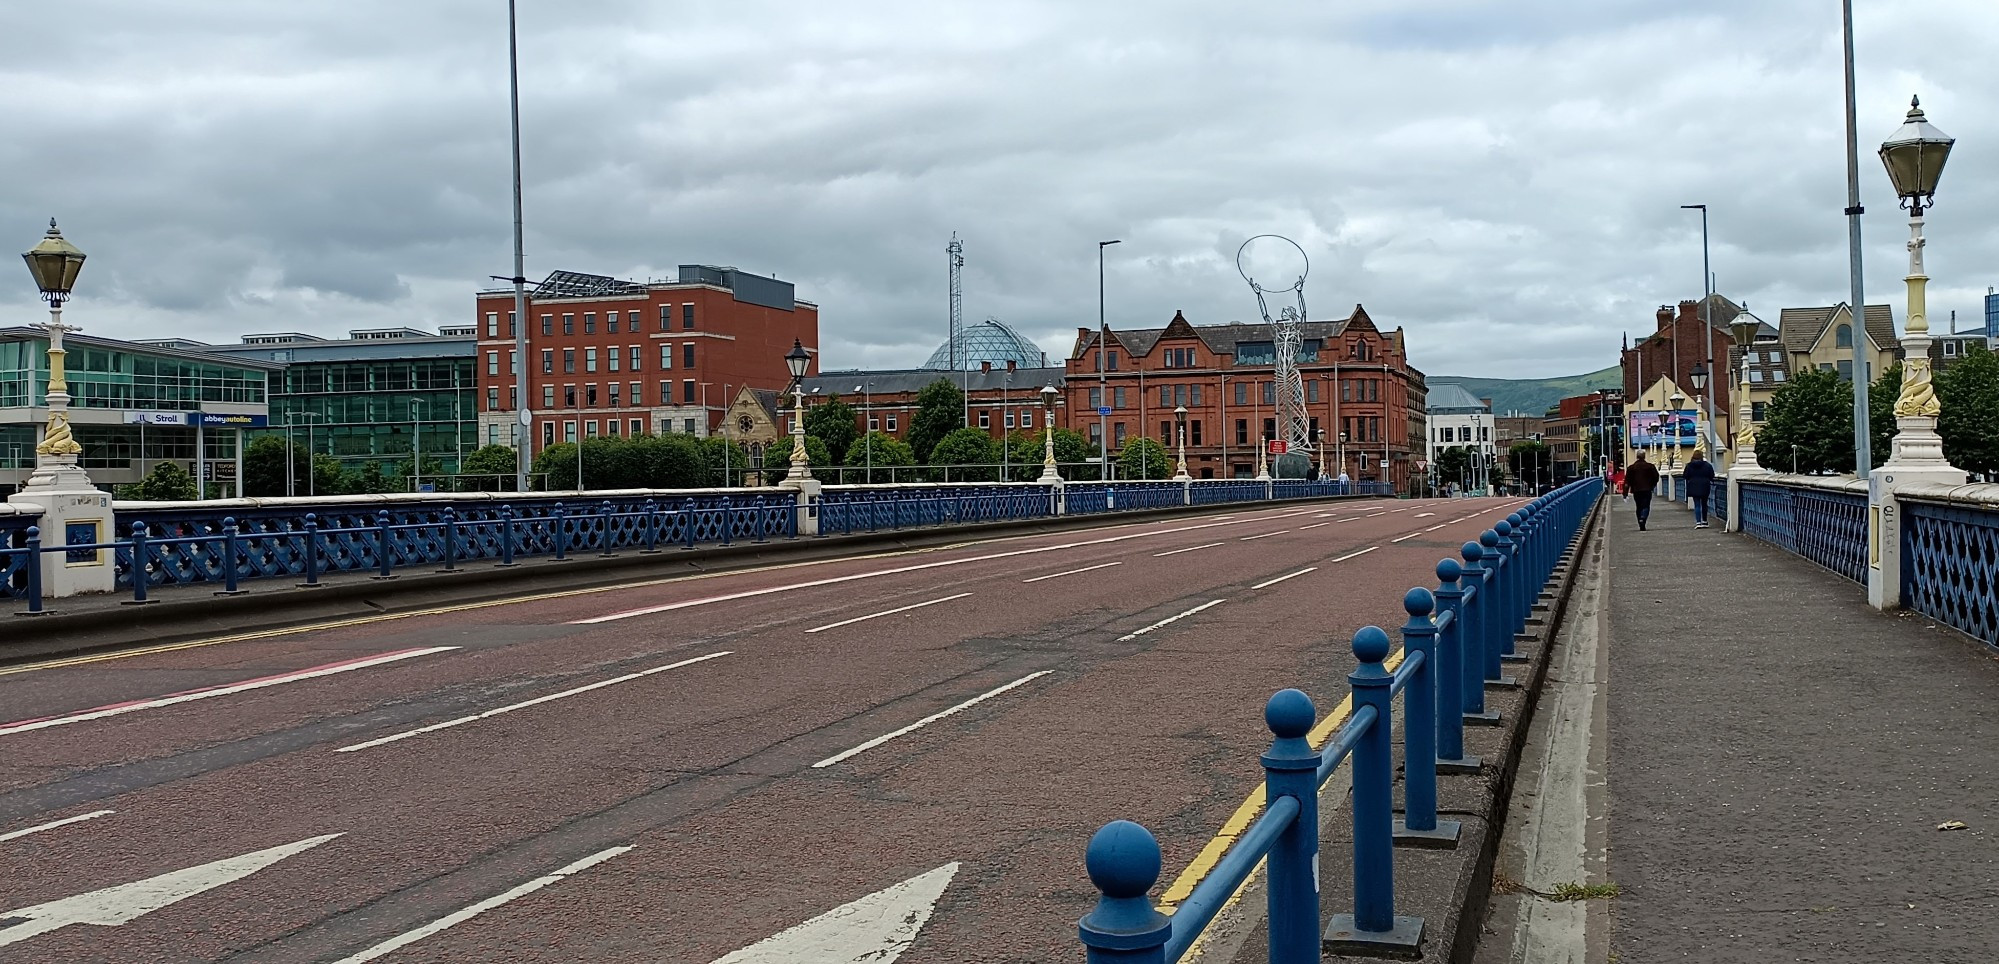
507	535
450	540
1481	655
1291	769
382	545
687	530
1373	922
1498	621
1451	672
557	517
1510	582
1419	826
757	520
605	521
1124	927
311	551
728	520
34	548
652	527
139	560
229	545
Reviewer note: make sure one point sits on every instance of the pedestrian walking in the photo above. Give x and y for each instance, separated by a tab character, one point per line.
1640	480
1617	482
1699	474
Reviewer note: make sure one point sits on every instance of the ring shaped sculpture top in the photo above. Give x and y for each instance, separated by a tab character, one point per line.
1243	269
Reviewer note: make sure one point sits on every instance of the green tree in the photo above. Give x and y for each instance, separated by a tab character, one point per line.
1454	466
1881	413
329	477
728	464
832	423
670	462
882	450
964	455
490	469
264	471
167	482
1530	460
370	481
1075	457
556	466
1024	454
1814	413
432	474
940	410
1969	392
1143	458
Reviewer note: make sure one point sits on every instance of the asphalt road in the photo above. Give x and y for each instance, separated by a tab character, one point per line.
679	770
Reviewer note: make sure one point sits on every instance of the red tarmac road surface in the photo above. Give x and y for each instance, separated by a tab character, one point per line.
618	733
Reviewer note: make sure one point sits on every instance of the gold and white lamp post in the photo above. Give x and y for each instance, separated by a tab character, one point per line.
1744	329
1697	377
1050	474
1673	422
55	264
797	359
1180	424
1915	156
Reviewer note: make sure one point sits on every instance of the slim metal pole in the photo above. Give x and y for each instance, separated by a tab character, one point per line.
1863	461
526	418
1103	389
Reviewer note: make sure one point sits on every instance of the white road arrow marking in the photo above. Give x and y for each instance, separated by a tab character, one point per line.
124	903
873	930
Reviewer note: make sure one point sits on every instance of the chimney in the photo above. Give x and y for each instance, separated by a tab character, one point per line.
985	368
1665	316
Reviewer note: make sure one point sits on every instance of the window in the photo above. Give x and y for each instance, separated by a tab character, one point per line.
492	435
1374	389
613	354
638	394
1269	428
1842	337
589	322
1756	411
513	362
1242	431
637	425
548	396
1179	394
687	425
1195	394
1194	432
613	387
665	393
666	357
1096	398
1112	358
547	434
1777	376
513	396
1117	431
492	399
985	420
1117	396
568	324
590	395
665	317
569	361
589	359
1950	349
1308	349
873	423
1096	434
1027	418
1269	393
610	322
633	353
569	431
1312	390
1165	396
548	361
590	428
1166	433
1241	393
1846	369
1346	390
687	390
1755	377
687	353
548	324
1009	420
492	324
492	363
1485	433
632	322
687	317
611	427
1255	353
891	423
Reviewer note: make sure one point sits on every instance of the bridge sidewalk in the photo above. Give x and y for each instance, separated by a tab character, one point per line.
1780	759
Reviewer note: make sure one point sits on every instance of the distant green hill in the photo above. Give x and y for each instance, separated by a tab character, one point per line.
1531	396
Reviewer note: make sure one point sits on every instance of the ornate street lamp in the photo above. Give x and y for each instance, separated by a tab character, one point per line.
797	359
55	263
1914	156
1672	421
1180	422
1744	329
1050	475
1698	377
1322	456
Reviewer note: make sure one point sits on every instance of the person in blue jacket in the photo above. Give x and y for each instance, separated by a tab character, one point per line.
1699	474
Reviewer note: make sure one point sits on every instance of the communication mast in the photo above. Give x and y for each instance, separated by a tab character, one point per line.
956	249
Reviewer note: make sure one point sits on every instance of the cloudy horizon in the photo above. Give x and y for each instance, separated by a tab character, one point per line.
1503	181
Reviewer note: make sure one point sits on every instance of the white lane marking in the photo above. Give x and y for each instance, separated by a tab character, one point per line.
1351	555
1403	509
875	929
833	580
1128	637
1373	514
537	701
1422	515
461	916
1314	525
1436	527
133	706
123	903
1353	518
1406	538
886	612
1265	535
1058	575
926	721
1175	552
1273	582
51	825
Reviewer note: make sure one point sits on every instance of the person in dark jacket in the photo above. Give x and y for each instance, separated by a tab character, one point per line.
1700	478
1641	478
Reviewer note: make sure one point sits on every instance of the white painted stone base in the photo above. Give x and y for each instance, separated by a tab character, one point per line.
70	506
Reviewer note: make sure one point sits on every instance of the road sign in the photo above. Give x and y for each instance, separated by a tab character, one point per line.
1279	446
1103	410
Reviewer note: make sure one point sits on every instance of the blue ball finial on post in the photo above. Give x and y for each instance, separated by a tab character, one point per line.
1471	553
1123	861
1370	644
1503	528
1289	714
1448	570
1489	539
1418	602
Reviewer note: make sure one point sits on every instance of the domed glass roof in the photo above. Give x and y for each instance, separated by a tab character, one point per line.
989	341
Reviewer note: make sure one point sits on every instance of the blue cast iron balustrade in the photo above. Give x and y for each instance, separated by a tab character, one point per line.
1950	566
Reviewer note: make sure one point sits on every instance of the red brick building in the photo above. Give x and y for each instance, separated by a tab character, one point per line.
1676	344
1357	381
1002	398
609	358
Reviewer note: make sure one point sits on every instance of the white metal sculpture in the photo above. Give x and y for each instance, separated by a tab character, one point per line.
1288	335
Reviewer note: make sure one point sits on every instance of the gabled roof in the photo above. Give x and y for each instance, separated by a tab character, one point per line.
1220	339
1451	399
1801	328
770	399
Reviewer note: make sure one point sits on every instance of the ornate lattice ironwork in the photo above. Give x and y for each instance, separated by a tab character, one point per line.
1829	528
1950	566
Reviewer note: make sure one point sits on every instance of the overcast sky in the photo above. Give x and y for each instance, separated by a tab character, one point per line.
1502	179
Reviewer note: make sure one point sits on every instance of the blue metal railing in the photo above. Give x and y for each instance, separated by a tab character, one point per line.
1452	643
1827	526
1950	565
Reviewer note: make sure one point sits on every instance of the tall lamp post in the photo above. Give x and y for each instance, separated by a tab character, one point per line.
867	390
55	264
1698	375
1673	420
1707	320
1323	474
1915	156
1478	452
1180	426
1103	381
1744	329
1341	453
1050	474
798	360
